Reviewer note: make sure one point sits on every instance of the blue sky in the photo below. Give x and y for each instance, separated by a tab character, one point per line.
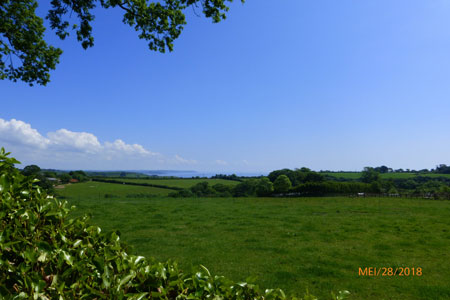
333	85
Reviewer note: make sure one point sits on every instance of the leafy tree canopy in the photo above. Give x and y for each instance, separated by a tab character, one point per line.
65	178
31	170
383	169
282	184
26	56
369	175
297	176
264	187
443	169
245	188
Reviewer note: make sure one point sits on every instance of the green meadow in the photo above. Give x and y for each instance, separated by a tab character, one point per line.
180	183
97	190
296	244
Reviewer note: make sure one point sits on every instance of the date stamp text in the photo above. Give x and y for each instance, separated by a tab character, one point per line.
390	271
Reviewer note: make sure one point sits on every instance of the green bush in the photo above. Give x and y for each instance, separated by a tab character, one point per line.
141	195
282	184
111	196
185	193
246	188
264	187
46	255
203	189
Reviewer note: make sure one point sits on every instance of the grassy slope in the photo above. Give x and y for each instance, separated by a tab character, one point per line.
183	183
314	243
93	190
115	174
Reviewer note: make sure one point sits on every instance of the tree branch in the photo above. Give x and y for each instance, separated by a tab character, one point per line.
121	5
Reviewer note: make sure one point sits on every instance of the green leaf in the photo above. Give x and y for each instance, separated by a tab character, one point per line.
138	296
106	277
4	183
77	243
67	257
126	279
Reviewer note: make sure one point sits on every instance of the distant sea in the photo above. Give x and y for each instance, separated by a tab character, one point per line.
189	174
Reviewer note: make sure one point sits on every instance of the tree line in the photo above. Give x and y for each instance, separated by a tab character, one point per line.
48	178
440	169
284	182
305	182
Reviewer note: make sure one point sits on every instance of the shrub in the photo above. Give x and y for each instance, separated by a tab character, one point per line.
222	188
282	184
264	187
202	189
65	178
185	193
110	196
245	188
140	195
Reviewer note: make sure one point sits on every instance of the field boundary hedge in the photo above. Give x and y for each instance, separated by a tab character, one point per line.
161	186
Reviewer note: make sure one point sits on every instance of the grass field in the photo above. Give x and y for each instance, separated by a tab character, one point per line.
93	190
291	243
182	183
357	175
115	174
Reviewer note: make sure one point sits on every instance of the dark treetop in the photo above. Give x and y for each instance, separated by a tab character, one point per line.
25	56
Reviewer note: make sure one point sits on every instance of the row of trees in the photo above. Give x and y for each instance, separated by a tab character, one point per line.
297	176
280	182
440	169
261	187
304	182
47	178
420	185
227	177
299	182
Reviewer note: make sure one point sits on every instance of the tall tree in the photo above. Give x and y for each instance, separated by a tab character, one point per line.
369	175
264	187
26	56
282	184
31	170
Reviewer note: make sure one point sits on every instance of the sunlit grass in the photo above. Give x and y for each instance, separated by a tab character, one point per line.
182	183
292	243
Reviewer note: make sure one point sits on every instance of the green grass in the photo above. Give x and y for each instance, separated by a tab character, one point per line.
182	183
116	174
291	243
357	175
93	190
346	175
411	175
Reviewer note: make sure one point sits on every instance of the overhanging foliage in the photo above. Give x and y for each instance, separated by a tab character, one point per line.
25	55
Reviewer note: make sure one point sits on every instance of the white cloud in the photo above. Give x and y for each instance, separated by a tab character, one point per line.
66	149
221	162
119	146
181	160
17	132
70	140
